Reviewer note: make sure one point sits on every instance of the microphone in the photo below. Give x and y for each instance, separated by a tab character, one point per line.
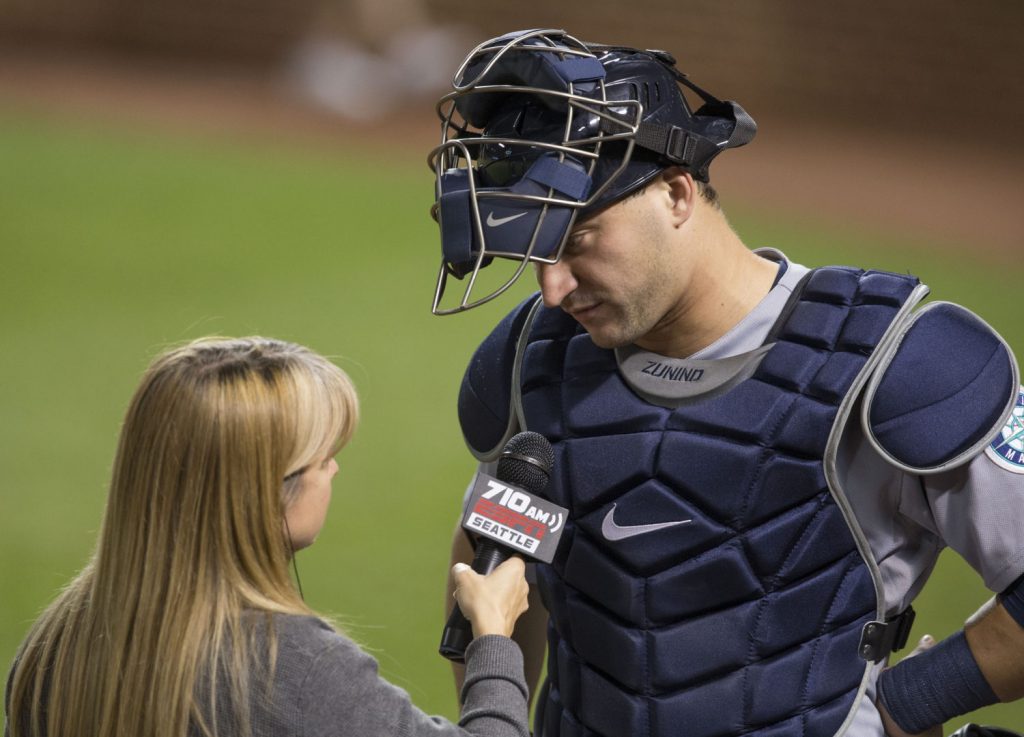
511	517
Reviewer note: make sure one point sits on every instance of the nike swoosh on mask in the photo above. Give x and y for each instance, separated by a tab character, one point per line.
613	531
493	222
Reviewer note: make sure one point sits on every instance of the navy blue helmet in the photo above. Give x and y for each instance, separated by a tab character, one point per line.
541	128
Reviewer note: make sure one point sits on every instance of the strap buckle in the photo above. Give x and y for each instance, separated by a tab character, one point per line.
878	639
677	144
680	146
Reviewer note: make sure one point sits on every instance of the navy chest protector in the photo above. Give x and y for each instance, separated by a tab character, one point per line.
710	581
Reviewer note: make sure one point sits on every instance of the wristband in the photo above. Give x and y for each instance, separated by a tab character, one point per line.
935	685
1012	600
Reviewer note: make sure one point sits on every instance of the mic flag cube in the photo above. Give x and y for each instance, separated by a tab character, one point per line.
514	518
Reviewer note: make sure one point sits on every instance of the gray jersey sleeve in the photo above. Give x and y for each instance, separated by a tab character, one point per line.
978	511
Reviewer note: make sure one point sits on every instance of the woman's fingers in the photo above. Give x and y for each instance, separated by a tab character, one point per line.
494	602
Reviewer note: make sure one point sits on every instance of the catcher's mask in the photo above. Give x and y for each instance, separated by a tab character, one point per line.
541	127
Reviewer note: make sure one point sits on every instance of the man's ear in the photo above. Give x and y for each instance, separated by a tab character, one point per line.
682	191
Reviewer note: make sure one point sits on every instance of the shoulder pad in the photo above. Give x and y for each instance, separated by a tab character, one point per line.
485	397
943	388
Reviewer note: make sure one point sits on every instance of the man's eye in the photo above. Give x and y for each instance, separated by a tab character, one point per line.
574	242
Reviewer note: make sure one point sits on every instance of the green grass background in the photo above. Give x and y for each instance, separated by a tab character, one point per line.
115	244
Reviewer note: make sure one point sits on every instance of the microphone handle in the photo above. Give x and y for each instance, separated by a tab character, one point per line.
458	631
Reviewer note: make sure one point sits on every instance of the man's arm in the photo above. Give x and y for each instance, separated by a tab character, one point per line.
531	629
996	642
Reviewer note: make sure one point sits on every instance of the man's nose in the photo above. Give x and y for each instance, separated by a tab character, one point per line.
556	282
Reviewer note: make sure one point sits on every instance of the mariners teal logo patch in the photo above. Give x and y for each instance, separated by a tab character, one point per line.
1008	447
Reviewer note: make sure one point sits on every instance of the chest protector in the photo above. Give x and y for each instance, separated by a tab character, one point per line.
710	581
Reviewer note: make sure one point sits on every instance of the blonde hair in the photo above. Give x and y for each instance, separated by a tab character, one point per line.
142	641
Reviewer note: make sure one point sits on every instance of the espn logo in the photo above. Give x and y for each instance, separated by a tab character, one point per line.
515	518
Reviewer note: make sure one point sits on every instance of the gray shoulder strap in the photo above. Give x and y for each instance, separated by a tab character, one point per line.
518	421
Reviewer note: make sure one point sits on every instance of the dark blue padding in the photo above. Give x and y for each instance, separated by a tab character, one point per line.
945	390
567	176
486	392
509	223
540	68
457	238
747	618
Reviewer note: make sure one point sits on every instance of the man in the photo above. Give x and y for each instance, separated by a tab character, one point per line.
761	462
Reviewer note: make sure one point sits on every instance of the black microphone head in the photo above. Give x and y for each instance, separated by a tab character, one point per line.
526	461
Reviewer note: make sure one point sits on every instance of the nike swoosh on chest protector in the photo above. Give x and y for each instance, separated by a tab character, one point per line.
613	531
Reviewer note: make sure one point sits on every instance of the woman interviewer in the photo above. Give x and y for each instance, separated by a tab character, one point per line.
186	621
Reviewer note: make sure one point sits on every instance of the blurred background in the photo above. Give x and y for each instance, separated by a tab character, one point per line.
172	170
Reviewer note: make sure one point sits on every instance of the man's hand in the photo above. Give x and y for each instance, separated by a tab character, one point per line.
891	728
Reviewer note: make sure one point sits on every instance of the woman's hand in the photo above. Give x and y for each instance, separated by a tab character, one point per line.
494	602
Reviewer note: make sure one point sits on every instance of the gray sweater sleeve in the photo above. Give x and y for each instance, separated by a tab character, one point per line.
336	690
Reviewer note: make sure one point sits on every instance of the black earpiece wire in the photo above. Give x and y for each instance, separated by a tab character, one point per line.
295	565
